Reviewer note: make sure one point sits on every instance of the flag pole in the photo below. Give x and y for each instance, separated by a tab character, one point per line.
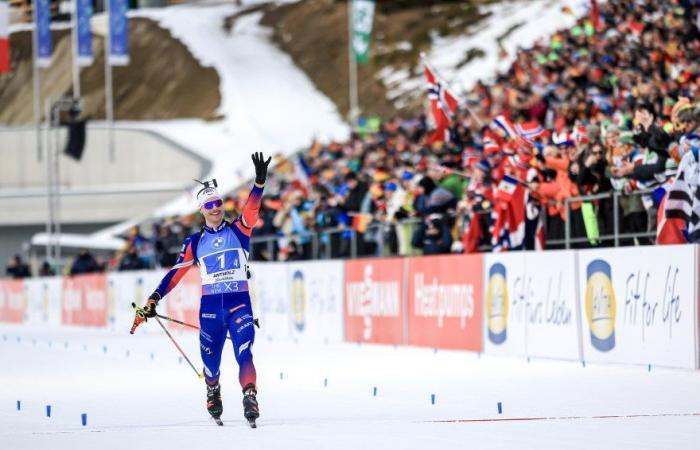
352	71
36	85
109	104
74	44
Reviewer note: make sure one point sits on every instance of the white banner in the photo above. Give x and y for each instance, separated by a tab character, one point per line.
123	288
505	304
552	318
43	296
316	301
270	298
638	305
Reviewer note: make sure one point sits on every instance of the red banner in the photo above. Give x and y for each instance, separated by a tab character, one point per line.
84	300
444	301
12	304
373	300
183	301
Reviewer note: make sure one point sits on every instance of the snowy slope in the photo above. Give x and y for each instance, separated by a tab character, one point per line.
268	104
516	23
135	401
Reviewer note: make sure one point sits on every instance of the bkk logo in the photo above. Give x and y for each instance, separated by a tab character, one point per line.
298	300
497	304
600	305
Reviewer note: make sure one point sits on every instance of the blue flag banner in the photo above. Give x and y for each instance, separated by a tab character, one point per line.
118	33
42	19
82	20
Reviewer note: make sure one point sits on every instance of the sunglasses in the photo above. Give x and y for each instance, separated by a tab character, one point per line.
213	204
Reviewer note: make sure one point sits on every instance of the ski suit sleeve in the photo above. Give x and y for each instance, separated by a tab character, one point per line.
184	262
249	217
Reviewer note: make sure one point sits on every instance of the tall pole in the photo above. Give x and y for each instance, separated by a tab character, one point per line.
57	188
352	71
36	88
109	105
74	37
49	182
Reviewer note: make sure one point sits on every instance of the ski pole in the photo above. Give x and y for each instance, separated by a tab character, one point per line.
182	323
200	375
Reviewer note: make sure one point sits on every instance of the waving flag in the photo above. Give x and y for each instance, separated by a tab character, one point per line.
531	130
509	211
443	104
513	132
4	37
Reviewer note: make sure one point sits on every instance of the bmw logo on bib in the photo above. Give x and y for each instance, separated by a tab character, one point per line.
218	242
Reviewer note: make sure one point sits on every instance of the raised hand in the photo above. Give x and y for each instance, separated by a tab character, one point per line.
260	167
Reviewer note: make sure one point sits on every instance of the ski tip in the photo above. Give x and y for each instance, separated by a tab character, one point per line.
252	423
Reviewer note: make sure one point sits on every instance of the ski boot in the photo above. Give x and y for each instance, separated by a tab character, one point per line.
214	405
250	404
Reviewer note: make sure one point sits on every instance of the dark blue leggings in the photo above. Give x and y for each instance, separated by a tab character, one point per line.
220	314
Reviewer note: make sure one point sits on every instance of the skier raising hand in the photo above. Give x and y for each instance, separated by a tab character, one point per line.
221	251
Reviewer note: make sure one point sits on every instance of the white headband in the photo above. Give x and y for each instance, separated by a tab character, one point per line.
207	194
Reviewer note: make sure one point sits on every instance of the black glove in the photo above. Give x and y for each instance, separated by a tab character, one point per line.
149	309
260	167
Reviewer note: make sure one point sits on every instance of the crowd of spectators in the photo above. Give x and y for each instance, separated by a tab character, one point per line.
604	106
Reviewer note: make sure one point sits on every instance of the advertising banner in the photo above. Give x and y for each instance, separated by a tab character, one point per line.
84	300
552	319
638	305
316	301
182	303
374	300
269	295
505	304
12	301
124	288
444	301
43	300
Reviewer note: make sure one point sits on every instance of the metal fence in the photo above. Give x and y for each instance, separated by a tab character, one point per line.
394	239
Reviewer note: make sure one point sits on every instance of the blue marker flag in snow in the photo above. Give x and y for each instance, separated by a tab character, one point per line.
42	19
118	33
82	17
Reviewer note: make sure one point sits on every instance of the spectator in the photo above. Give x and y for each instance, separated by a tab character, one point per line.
131	260
16	268
46	270
85	262
433	236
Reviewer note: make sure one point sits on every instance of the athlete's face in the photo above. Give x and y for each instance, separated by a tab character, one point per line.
213	211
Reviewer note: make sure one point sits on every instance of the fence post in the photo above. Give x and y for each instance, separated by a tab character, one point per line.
353	244
616	219
567	225
315	245
271	249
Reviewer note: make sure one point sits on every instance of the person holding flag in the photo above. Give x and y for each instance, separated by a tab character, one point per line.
221	250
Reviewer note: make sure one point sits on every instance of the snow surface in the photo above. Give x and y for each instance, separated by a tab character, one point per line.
137	402
268	103
534	19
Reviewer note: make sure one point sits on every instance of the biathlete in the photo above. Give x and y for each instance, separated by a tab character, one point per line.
221	250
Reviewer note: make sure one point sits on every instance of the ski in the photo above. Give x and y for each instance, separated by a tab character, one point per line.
218	421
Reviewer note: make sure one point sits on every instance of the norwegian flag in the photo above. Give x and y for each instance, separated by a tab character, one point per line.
442	103
510	215
531	130
4	37
512	131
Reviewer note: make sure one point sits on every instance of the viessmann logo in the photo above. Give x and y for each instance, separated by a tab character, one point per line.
600	305
369	298
443	300
497	304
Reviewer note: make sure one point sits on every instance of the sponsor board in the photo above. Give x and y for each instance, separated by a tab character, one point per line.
84	300
316	301
638	305
12	301
270	299
373	308
124	288
444	307
43	300
182	302
505	304
551	315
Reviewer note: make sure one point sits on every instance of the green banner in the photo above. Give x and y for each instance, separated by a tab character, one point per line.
362	17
